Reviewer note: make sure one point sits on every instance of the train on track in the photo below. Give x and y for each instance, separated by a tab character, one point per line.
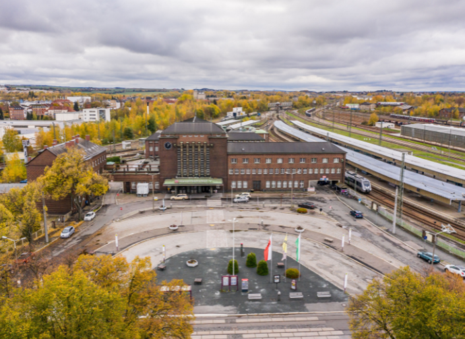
425	119
359	183
309	112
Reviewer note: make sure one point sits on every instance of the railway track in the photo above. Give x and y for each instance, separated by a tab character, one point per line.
387	139
427	219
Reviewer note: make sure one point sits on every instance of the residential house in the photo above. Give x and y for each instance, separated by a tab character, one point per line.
17	113
448	113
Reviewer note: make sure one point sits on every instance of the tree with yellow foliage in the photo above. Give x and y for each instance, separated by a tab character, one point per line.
373	119
100	297
15	170
404	304
71	176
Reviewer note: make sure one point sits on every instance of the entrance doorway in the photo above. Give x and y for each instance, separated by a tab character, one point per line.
256	185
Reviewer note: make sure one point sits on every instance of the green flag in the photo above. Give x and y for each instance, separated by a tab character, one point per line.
297	252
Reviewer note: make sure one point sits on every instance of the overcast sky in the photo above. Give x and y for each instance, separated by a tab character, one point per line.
235	44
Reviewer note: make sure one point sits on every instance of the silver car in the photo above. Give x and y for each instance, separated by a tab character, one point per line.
67	232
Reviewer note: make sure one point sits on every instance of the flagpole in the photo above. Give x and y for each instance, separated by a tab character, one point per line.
285	262
300	240
271	257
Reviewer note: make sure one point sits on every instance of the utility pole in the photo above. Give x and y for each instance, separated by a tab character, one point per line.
153	195
333	120
394	216
401	187
45	219
54	132
350	126
381	134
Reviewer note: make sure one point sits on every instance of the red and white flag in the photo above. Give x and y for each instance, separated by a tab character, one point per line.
267	253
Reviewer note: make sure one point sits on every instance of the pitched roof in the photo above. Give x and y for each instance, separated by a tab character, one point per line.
193	126
244	136
452	109
155	136
90	149
323	147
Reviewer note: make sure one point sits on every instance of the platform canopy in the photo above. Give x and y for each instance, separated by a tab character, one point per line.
194	182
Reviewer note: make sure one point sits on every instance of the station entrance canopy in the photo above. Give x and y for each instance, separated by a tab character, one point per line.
194	182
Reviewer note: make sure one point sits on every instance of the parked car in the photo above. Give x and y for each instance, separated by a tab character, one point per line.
67	232
428	256
179	197
244	194
89	216
460	270
241	199
307	205
356	214
25	257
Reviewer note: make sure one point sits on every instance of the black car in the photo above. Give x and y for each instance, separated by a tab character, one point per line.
307	205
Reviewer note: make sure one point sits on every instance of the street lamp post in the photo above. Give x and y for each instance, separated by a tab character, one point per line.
14	242
445	229
233	221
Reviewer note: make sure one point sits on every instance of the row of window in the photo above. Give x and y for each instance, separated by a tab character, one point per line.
151	149
98	161
157	185
271	184
285	171
281	160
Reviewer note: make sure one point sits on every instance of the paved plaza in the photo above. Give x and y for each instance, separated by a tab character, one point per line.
208	297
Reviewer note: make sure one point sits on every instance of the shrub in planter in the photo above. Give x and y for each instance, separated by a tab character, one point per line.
262	268
292	273
230	267
302	210
251	260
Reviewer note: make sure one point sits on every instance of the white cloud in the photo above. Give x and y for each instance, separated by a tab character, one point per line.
263	44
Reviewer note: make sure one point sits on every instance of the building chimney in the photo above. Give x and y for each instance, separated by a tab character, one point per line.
76	140
68	144
87	137
54	142
45	146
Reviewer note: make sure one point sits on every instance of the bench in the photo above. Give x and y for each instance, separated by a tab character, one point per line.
296	295
161	267
198	281
255	296
324	294
328	240
280	265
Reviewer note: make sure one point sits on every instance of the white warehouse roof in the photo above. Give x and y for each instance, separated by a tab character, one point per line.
387	152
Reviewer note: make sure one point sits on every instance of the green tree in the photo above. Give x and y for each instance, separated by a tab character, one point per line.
262	268
71	176
11	141
152	126
76	106
230	267
128	133
251	260
404	304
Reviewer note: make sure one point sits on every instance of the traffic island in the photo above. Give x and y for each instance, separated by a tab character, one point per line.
216	294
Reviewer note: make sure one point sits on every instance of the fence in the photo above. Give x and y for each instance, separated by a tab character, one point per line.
409	227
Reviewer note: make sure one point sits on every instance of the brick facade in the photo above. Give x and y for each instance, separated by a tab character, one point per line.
17	113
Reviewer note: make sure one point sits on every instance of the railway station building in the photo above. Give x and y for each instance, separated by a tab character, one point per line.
198	156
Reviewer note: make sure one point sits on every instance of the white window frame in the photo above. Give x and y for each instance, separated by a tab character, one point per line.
239	184
333	170
256	160
284	184
268	184
305	171
245	160
273	184
247	171
242	171
278	184
338	171
302	160
299	171
236	171
231	172
325	160
301	184
233	184
270	171
279	161
254	171
296	184
310	171
291	160
259	171
244	184
268	161
327	171
314	160
233	160
336	160
265	171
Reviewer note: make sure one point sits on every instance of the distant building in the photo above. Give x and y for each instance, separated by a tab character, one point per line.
448	113
236	112
367	106
389	103
17	113
95	114
353	106
199	95
79	100
406	109
67	116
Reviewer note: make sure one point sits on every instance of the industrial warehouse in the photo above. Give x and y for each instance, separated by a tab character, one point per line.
197	156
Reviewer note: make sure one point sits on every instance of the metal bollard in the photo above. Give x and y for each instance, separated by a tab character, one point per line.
278	295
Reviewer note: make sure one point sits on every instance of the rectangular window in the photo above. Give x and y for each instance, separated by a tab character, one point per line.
282	170
296	184
239	184
327	171
271	171
333	170
236	171
151	148
291	160
268	160
336	160
233	161
302	160
293	170
301	184
305	171
338	171
290	184
245	160
284	184
231	172
325	160
233	184
247	171
157	185
313	160
280	160
267	184
273	184
310	171
259	171
316	170
265	171
278	184
299	171
242	171
254	171
322	170
256	160
244	184
156	148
